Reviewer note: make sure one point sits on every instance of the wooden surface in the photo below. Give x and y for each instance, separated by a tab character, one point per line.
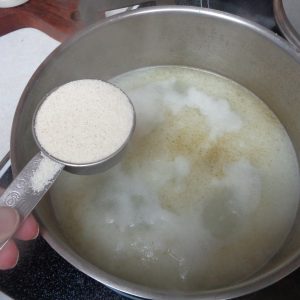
58	18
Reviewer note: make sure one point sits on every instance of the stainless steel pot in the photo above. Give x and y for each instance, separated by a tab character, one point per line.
243	51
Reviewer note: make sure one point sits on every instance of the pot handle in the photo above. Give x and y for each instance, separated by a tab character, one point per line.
21	194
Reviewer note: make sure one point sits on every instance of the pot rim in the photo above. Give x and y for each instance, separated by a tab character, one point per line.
285	25
113	282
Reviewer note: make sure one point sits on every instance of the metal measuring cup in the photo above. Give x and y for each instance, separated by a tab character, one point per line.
20	193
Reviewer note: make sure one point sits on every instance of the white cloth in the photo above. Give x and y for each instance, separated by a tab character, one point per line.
21	52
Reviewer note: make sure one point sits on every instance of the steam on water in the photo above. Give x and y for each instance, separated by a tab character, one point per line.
206	195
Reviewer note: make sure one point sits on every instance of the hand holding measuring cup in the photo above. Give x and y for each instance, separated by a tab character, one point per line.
9	222
83	127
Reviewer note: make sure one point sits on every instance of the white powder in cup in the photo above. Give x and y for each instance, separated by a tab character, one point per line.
84	121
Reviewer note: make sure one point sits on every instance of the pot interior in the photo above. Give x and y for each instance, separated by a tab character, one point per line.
258	60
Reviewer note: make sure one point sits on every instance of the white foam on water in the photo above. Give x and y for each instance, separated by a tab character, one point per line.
243	181
205	196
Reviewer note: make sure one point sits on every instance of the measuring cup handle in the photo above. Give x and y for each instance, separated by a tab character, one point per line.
21	195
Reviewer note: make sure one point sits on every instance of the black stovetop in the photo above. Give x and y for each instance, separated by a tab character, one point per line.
43	274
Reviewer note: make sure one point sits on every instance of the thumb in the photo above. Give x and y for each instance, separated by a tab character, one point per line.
9	221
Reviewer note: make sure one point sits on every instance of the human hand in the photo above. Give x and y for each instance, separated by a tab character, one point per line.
9	221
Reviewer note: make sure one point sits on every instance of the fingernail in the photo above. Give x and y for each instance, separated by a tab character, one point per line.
16	261
9	221
37	232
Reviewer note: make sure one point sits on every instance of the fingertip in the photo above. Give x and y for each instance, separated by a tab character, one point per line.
9	222
29	229
9	256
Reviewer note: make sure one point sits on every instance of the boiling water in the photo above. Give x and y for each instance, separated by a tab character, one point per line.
205	196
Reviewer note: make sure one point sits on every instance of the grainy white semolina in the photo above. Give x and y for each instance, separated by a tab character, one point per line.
84	121
44	174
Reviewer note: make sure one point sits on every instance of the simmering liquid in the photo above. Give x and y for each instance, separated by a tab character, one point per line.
205	195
